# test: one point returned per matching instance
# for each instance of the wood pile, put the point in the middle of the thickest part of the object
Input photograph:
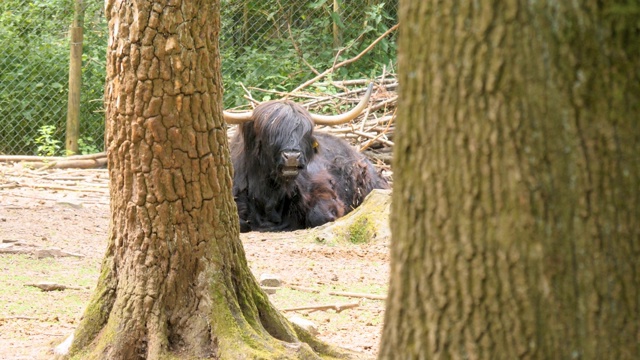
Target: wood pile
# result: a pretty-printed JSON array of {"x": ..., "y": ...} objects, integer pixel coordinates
[{"x": 371, "y": 132}]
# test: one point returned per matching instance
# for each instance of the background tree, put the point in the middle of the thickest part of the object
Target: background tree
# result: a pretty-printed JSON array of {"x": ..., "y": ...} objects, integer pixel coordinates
[
  {"x": 516, "y": 199},
  {"x": 174, "y": 278}
]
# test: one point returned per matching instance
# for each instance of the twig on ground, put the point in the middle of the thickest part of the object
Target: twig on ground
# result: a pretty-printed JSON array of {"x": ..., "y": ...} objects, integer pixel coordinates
[
  {"x": 303, "y": 288},
  {"x": 358, "y": 295},
  {"x": 337, "y": 307},
  {"x": 47, "y": 286},
  {"x": 7, "y": 318}
]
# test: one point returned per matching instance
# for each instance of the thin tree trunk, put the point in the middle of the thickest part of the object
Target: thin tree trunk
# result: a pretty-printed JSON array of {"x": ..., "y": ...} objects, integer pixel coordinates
[
  {"x": 174, "y": 279},
  {"x": 516, "y": 199}
]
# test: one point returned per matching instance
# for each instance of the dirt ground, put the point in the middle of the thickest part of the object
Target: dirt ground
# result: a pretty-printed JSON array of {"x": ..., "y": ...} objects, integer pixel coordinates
[{"x": 53, "y": 228}]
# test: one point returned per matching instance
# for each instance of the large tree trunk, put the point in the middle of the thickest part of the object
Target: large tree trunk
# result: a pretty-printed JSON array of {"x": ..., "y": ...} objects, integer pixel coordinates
[
  {"x": 516, "y": 200},
  {"x": 174, "y": 278}
]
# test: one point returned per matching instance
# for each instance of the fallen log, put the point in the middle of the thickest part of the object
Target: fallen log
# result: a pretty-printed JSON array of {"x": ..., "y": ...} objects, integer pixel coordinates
[
  {"x": 20, "y": 158},
  {"x": 91, "y": 161},
  {"x": 69, "y": 164}
]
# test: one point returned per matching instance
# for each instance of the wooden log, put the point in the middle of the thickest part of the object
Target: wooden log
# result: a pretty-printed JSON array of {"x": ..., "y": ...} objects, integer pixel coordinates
[
  {"x": 21, "y": 158},
  {"x": 69, "y": 164}
]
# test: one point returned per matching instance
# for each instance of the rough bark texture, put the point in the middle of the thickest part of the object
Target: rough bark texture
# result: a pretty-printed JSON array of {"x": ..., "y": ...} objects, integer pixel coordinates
[
  {"x": 174, "y": 281},
  {"x": 516, "y": 201}
]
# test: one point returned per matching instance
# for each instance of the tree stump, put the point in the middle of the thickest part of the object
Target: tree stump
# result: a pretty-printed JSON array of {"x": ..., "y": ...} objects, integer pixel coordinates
[{"x": 368, "y": 222}]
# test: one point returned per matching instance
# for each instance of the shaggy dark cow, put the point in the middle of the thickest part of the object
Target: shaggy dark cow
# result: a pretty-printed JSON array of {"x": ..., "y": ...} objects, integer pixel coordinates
[{"x": 287, "y": 177}]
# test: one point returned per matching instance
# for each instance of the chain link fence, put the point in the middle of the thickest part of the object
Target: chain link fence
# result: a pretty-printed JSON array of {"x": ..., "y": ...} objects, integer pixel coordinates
[{"x": 272, "y": 44}]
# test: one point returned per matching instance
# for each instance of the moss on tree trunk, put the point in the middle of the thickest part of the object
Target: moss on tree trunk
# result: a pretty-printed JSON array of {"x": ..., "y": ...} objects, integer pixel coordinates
[
  {"x": 174, "y": 281},
  {"x": 516, "y": 202}
]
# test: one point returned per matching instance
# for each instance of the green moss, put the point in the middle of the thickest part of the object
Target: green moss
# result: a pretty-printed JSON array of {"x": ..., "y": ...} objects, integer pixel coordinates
[
  {"x": 95, "y": 315},
  {"x": 360, "y": 231}
]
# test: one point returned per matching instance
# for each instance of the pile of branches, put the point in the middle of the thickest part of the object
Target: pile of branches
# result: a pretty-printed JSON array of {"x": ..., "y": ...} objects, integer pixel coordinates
[{"x": 371, "y": 132}]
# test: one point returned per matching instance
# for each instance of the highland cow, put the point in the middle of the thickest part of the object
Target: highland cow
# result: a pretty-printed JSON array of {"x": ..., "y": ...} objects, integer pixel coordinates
[{"x": 288, "y": 177}]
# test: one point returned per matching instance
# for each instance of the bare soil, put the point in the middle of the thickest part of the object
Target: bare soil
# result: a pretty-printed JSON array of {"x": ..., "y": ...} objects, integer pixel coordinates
[{"x": 69, "y": 210}]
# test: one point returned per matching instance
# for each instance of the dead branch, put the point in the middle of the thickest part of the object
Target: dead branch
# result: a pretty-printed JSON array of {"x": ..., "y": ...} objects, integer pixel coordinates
[
  {"x": 66, "y": 164},
  {"x": 55, "y": 252},
  {"x": 374, "y": 137},
  {"x": 303, "y": 288},
  {"x": 358, "y": 295},
  {"x": 67, "y": 188},
  {"x": 358, "y": 82},
  {"x": 48, "y": 286},
  {"x": 337, "y": 307},
  {"x": 348, "y": 61},
  {"x": 7, "y": 318},
  {"x": 13, "y": 250}
]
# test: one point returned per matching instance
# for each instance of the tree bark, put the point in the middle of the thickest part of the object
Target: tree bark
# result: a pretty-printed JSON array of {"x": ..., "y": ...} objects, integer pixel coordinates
[
  {"x": 174, "y": 280},
  {"x": 515, "y": 209}
]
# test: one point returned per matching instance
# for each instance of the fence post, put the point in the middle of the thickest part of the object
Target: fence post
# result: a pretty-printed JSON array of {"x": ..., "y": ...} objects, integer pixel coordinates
[
  {"x": 75, "y": 80},
  {"x": 337, "y": 32}
]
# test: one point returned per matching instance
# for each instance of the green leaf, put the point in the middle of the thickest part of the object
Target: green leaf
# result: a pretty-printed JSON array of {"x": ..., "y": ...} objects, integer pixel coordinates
[
  {"x": 317, "y": 4},
  {"x": 336, "y": 18}
]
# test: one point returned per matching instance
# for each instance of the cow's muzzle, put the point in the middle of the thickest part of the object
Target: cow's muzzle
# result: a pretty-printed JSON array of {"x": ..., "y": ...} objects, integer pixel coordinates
[{"x": 292, "y": 162}]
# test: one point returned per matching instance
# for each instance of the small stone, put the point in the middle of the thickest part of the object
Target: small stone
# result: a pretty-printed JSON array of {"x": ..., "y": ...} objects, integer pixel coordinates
[
  {"x": 269, "y": 290},
  {"x": 308, "y": 325},
  {"x": 270, "y": 280},
  {"x": 70, "y": 203}
]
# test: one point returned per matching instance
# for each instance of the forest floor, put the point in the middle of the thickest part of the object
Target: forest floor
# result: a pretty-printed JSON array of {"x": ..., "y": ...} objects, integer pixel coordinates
[{"x": 56, "y": 221}]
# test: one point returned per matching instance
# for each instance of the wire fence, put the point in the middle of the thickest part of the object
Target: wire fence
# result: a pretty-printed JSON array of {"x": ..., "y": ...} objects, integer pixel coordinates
[{"x": 272, "y": 44}]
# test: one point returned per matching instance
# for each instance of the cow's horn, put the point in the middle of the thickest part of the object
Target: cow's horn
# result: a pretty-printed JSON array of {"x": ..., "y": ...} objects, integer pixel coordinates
[
  {"x": 242, "y": 117},
  {"x": 237, "y": 118},
  {"x": 346, "y": 117}
]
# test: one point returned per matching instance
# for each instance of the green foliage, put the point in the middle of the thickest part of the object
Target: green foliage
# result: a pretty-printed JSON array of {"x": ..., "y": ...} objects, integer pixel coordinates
[
  {"x": 46, "y": 142},
  {"x": 87, "y": 146},
  {"x": 258, "y": 37},
  {"x": 268, "y": 44},
  {"x": 34, "y": 65}
]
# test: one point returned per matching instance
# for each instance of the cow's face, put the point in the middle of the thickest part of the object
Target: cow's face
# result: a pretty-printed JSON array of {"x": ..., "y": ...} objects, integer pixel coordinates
[{"x": 284, "y": 138}]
